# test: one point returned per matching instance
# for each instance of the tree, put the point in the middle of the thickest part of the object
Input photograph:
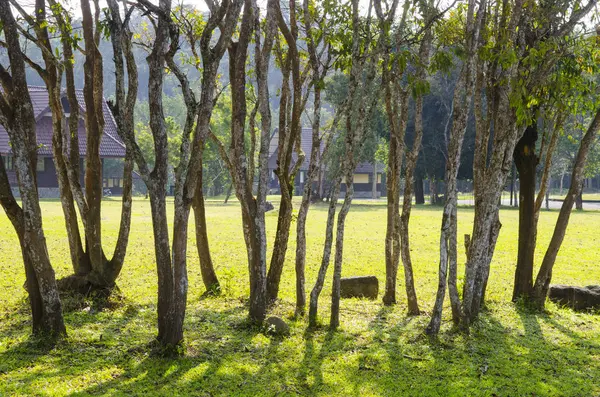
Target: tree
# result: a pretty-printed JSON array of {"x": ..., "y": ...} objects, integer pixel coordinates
[
  {"x": 566, "y": 90},
  {"x": 320, "y": 61},
  {"x": 463, "y": 92},
  {"x": 521, "y": 62},
  {"x": 92, "y": 269},
  {"x": 362, "y": 55},
  {"x": 236, "y": 157},
  {"x": 172, "y": 270},
  {"x": 291, "y": 106},
  {"x": 396, "y": 103},
  {"x": 17, "y": 117}
]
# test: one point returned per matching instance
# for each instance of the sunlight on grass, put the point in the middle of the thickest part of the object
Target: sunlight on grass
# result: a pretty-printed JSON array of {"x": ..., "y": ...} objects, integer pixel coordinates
[{"x": 378, "y": 351}]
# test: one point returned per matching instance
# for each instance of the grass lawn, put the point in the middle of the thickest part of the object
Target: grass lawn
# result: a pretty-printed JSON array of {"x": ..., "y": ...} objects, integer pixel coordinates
[{"x": 377, "y": 351}]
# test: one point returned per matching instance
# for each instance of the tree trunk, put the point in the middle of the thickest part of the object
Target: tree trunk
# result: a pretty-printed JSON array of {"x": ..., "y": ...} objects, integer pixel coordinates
[
  {"x": 547, "y": 195},
  {"x": 301, "y": 242},
  {"x": 118, "y": 258},
  {"x": 334, "y": 321},
  {"x": 562, "y": 179},
  {"x": 21, "y": 128},
  {"x": 15, "y": 215},
  {"x": 526, "y": 162},
  {"x": 284, "y": 221},
  {"x": 209, "y": 277},
  {"x": 513, "y": 173},
  {"x": 579, "y": 199},
  {"x": 228, "y": 193},
  {"x": 461, "y": 102},
  {"x": 94, "y": 126},
  {"x": 419, "y": 191},
  {"x": 433, "y": 195},
  {"x": 318, "y": 287},
  {"x": 392, "y": 243},
  {"x": 374, "y": 182}
]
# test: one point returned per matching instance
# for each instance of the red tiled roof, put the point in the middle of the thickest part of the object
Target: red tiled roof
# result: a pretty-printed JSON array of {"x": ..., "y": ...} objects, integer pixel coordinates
[{"x": 110, "y": 145}]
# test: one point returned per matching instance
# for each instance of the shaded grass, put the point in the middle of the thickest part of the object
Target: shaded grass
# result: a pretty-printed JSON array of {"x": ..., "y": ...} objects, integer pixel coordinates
[{"x": 378, "y": 350}]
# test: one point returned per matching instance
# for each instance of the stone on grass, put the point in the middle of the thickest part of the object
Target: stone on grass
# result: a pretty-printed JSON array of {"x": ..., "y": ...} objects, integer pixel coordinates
[
  {"x": 276, "y": 326},
  {"x": 359, "y": 287},
  {"x": 577, "y": 298},
  {"x": 269, "y": 206}
]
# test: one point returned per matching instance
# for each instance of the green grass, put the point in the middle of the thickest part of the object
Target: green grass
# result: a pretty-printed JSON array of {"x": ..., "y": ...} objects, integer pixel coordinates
[
  {"x": 377, "y": 352},
  {"x": 586, "y": 196}
]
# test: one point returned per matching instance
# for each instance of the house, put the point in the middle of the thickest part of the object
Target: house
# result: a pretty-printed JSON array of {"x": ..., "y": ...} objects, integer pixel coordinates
[
  {"x": 363, "y": 175},
  {"x": 111, "y": 146}
]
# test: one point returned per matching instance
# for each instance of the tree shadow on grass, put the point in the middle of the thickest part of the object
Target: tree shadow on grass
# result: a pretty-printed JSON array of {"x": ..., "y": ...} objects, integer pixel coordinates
[
  {"x": 391, "y": 356},
  {"x": 310, "y": 371}
]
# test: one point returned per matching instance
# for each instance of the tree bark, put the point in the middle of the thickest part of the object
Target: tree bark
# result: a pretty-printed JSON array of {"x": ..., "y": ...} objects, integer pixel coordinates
[
  {"x": 94, "y": 126},
  {"x": 411, "y": 164},
  {"x": 17, "y": 117},
  {"x": 15, "y": 215},
  {"x": 209, "y": 277},
  {"x": 579, "y": 199},
  {"x": 289, "y": 137},
  {"x": 463, "y": 92},
  {"x": 318, "y": 287},
  {"x": 526, "y": 163},
  {"x": 419, "y": 195}
]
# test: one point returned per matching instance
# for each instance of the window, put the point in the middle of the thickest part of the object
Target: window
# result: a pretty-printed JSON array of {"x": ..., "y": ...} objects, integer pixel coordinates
[
  {"x": 361, "y": 178},
  {"x": 8, "y": 162},
  {"x": 104, "y": 182},
  {"x": 301, "y": 176},
  {"x": 41, "y": 166}
]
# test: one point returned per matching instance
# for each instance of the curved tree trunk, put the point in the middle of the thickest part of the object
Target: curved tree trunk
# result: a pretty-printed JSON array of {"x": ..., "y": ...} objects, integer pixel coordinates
[
  {"x": 318, "y": 287},
  {"x": 209, "y": 276},
  {"x": 334, "y": 321}
]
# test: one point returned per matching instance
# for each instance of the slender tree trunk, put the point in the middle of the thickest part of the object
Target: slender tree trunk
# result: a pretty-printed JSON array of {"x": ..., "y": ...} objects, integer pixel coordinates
[
  {"x": 318, "y": 287},
  {"x": 513, "y": 173},
  {"x": 228, "y": 193},
  {"x": 579, "y": 198},
  {"x": 433, "y": 195},
  {"x": 547, "y": 195},
  {"x": 209, "y": 277},
  {"x": 411, "y": 162},
  {"x": 334, "y": 321},
  {"x": 562, "y": 179},
  {"x": 461, "y": 102},
  {"x": 284, "y": 221},
  {"x": 289, "y": 137},
  {"x": 374, "y": 181},
  {"x": 118, "y": 258},
  {"x": 391, "y": 242},
  {"x": 301, "y": 245},
  {"x": 419, "y": 195},
  {"x": 94, "y": 125}
]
